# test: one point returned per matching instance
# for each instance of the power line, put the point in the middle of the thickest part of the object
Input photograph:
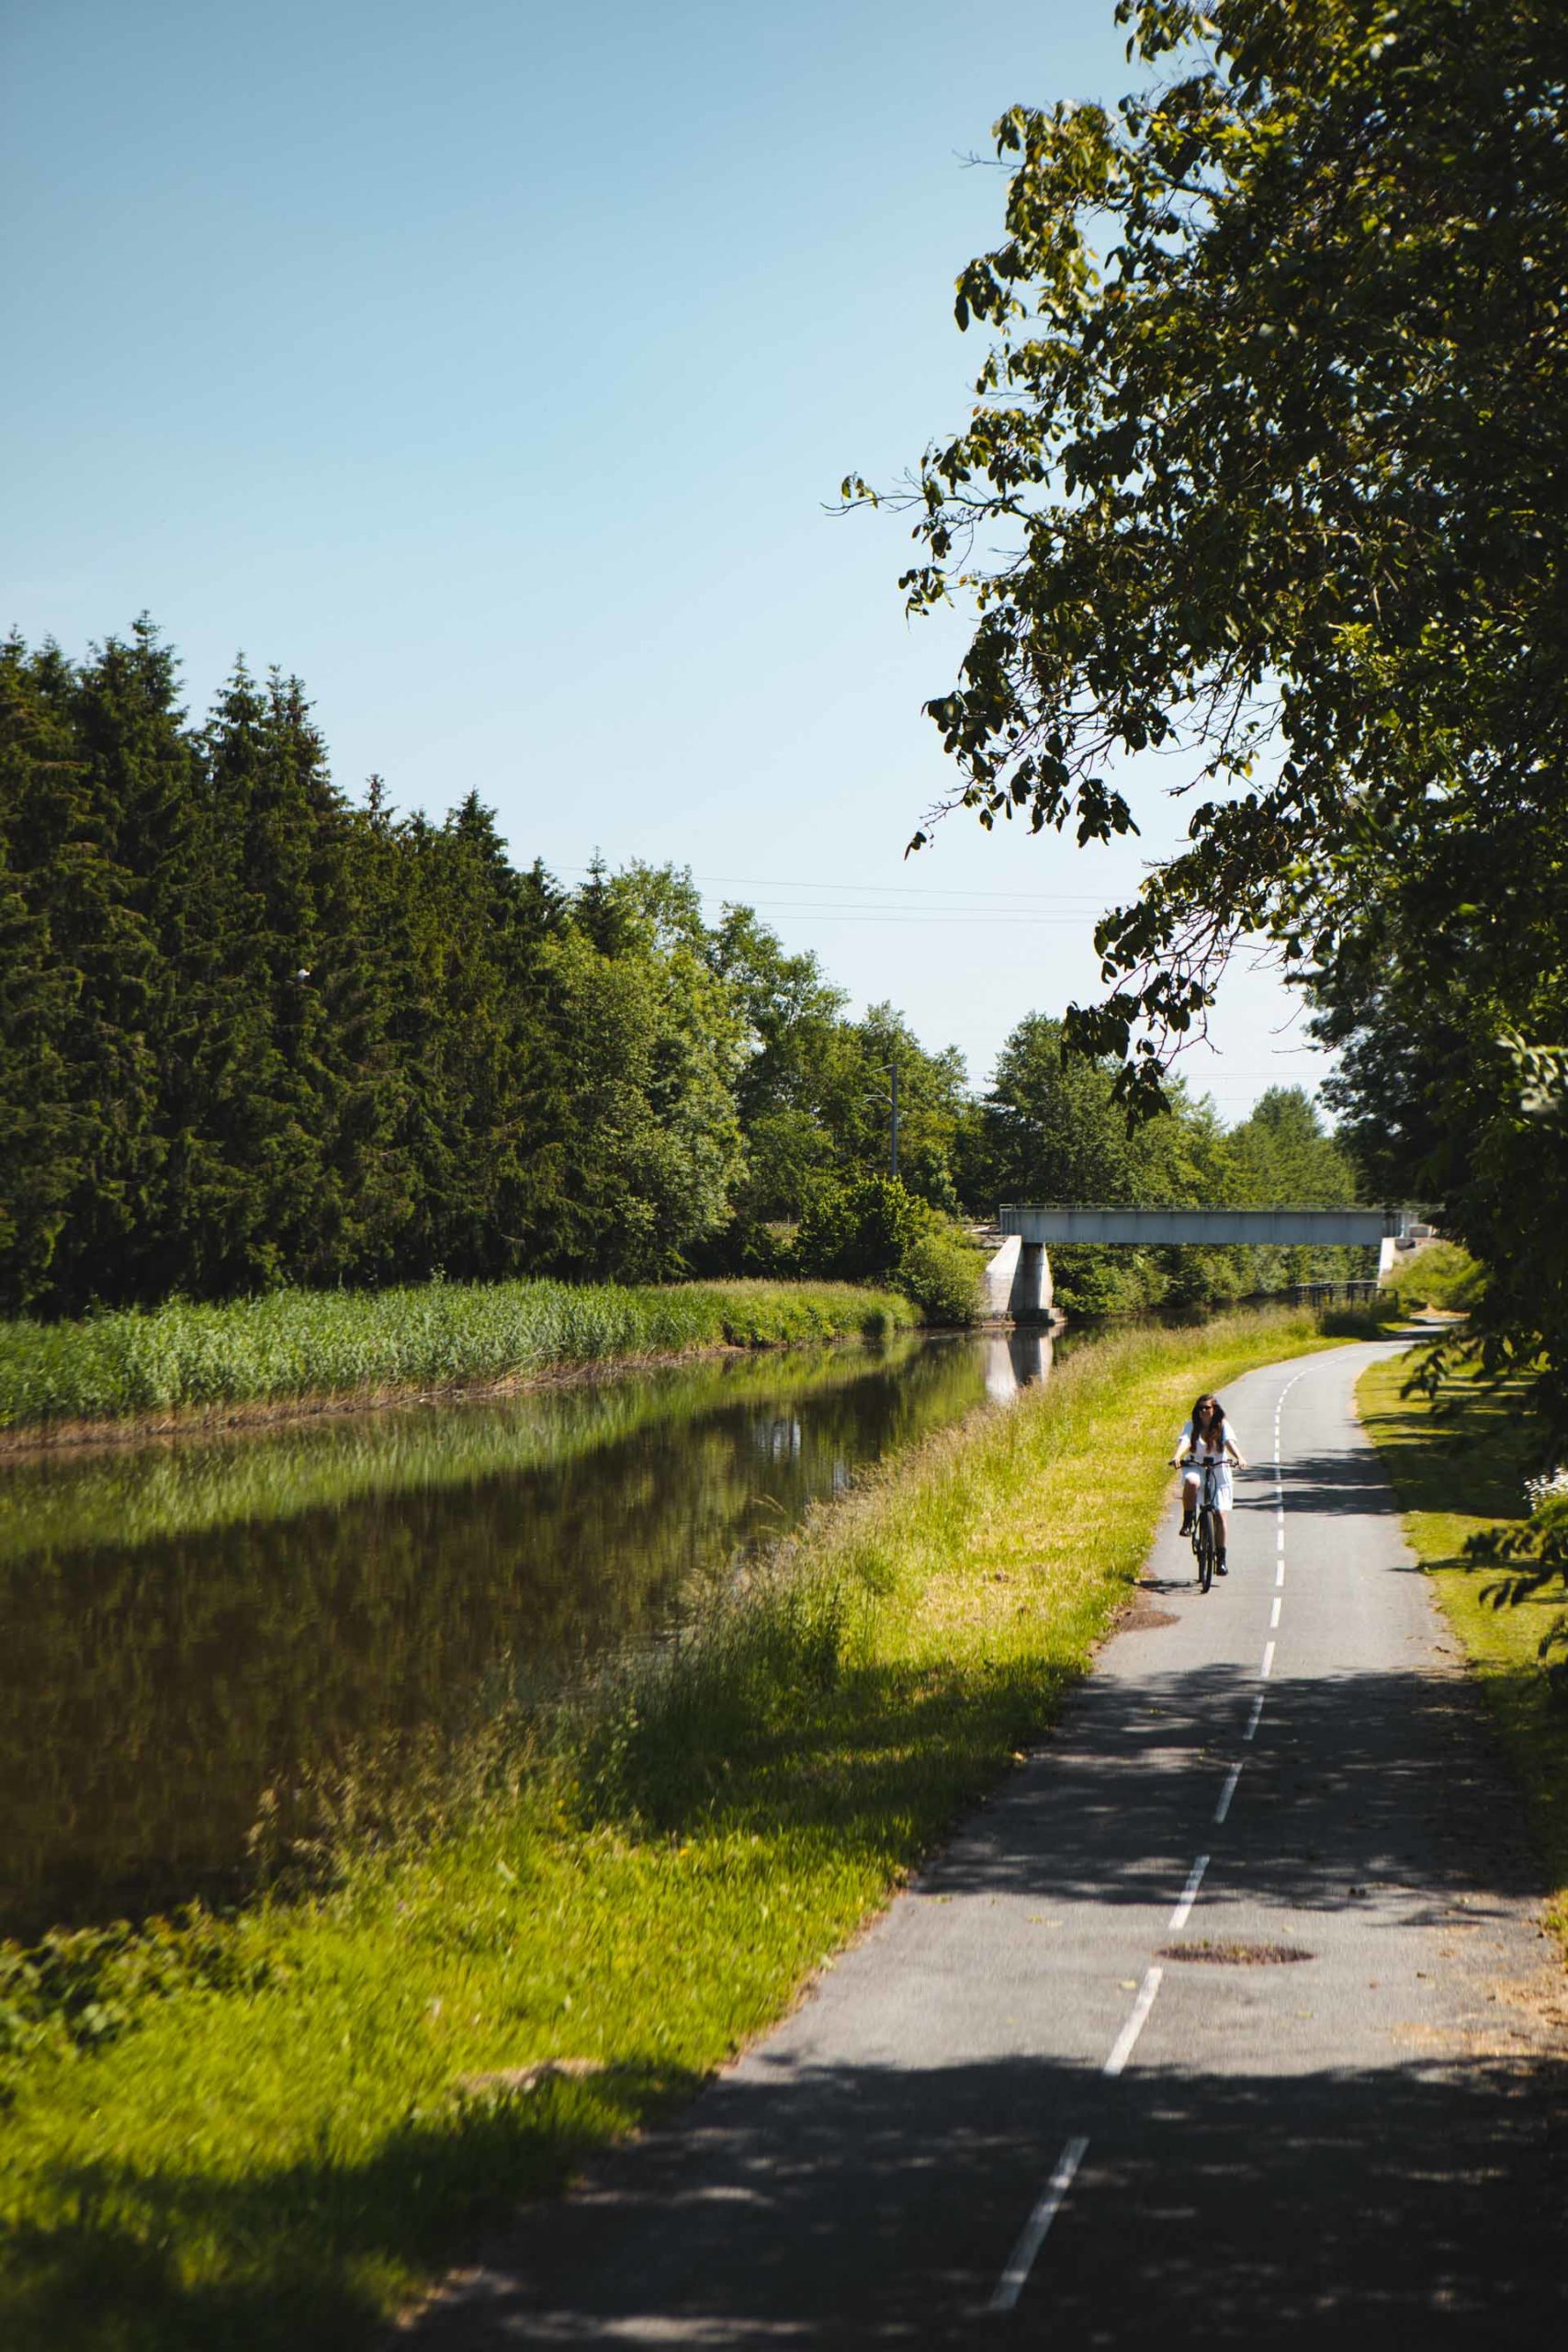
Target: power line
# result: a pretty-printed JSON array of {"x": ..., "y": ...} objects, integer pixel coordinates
[
  {"x": 859, "y": 917},
  {"x": 885, "y": 889}
]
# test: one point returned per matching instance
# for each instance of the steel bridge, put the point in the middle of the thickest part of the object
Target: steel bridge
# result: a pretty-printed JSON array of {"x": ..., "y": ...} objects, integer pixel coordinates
[{"x": 1018, "y": 1278}]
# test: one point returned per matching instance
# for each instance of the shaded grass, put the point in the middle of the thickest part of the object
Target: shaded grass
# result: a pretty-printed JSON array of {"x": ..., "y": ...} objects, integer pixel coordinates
[
  {"x": 181, "y": 1359},
  {"x": 281, "y": 2154},
  {"x": 1479, "y": 1452}
]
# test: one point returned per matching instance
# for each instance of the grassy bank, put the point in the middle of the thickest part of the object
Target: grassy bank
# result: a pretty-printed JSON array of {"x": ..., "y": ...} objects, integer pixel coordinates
[
  {"x": 268, "y": 2130},
  {"x": 184, "y": 1361},
  {"x": 1480, "y": 1457}
]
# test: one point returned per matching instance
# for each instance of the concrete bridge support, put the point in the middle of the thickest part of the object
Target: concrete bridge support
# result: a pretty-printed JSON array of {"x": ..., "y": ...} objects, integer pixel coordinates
[
  {"x": 1030, "y": 1299},
  {"x": 1017, "y": 1282},
  {"x": 998, "y": 1279}
]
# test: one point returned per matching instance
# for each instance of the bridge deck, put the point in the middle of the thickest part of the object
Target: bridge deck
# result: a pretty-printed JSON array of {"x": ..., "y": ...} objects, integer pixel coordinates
[{"x": 1130, "y": 1228}]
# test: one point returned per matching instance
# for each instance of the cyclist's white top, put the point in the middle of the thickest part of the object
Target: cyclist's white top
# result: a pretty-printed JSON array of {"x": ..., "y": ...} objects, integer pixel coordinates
[{"x": 1208, "y": 1449}]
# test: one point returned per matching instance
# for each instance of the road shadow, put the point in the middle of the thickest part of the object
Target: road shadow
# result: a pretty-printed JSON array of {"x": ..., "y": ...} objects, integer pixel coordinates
[
  {"x": 1383, "y": 1780},
  {"x": 1415, "y": 2204},
  {"x": 1350, "y": 1484},
  {"x": 1403, "y": 2206}
]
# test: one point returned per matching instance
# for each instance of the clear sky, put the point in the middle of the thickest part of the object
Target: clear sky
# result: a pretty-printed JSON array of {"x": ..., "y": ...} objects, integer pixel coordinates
[{"x": 490, "y": 367}]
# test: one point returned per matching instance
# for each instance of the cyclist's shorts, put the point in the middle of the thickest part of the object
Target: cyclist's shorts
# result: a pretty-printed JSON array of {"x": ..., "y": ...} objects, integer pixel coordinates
[{"x": 1224, "y": 1490}]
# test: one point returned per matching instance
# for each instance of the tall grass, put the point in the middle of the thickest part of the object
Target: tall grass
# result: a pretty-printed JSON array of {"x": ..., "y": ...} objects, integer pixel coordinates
[
  {"x": 285, "y": 2130},
  {"x": 181, "y": 1359}
]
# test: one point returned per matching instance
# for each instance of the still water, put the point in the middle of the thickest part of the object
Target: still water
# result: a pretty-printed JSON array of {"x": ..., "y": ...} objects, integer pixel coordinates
[{"x": 187, "y": 1625}]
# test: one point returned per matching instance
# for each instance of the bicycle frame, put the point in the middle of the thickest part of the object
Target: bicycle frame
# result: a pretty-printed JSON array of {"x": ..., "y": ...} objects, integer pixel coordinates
[{"x": 1205, "y": 1523}]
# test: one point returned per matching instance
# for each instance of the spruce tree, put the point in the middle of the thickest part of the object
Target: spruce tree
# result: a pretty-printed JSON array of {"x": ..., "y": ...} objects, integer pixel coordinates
[
  {"x": 42, "y": 1133},
  {"x": 86, "y": 760}
]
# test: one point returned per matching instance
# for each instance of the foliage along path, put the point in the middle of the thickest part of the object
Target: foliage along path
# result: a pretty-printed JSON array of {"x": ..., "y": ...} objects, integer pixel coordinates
[{"x": 1229, "y": 2020}]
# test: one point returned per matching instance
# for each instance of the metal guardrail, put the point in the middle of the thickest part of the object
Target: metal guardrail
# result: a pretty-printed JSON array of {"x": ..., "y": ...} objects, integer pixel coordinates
[{"x": 1323, "y": 1293}]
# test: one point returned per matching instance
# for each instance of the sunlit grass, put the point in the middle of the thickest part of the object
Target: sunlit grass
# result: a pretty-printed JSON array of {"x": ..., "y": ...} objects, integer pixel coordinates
[
  {"x": 1478, "y": 1453},
  {"x": 279, "y": 2147},
  {"x": 181, "y": 1360}
]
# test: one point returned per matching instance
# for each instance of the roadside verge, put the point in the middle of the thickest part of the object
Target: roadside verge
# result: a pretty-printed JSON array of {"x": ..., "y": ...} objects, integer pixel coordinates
[{"x": 1477, "y": 1457}]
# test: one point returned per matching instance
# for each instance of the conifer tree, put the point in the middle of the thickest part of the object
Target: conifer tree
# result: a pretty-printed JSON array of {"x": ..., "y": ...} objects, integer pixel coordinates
[
  {"x": 85, "y": 758},
  {"x": 41, "y": 1133}
]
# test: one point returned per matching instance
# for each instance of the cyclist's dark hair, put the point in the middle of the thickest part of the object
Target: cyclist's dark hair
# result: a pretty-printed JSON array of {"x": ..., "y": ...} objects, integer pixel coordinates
[{"x": 1198, "y": 1408}]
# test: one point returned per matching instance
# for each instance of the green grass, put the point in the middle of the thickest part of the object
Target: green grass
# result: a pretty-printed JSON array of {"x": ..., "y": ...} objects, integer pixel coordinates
[
  {"x": 1440, "y": 1274},
  {"x": 1480, "y": 1452},
  {"x": 273, "y": 2129},
  {"x": 180, "y": 1359}
]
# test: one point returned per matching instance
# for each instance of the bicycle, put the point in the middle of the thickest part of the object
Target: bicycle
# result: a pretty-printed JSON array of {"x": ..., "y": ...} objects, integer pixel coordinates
[{"x": 1206, "y": 1526}]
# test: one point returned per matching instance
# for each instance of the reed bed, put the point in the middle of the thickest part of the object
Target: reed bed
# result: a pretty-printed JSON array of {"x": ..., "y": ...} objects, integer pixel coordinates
[{"x": 181, "y": 1359}]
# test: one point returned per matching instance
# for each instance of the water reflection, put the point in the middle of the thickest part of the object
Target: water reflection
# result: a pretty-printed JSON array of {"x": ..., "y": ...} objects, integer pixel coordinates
[
  {"x": 184, "y": 1625},
  {"x": 1013, "y": 1360}
]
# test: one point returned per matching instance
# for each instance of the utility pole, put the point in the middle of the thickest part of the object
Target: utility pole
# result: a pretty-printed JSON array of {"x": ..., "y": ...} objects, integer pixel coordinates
[{"x": 890, "y": 1102}]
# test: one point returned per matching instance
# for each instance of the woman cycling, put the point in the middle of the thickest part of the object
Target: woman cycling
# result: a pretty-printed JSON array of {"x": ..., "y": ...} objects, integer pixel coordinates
[{"x": 1207, "y": 1437}]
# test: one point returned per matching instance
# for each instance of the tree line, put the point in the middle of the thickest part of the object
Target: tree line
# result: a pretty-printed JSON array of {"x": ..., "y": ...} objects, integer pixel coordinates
[{"x": 255, "y": 1033}]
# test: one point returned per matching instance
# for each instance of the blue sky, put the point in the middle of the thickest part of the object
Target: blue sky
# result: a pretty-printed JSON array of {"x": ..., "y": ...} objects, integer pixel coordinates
[{"x": 490, "y": 367}]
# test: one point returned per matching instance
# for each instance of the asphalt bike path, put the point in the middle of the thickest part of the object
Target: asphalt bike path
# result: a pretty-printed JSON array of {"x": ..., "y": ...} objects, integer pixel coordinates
[{"x": 1229, "y": 2020}]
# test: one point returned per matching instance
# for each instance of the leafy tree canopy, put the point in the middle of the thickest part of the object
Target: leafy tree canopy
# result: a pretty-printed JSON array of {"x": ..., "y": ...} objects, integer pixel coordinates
[
  {"x": 1270, "y": 438},
  {"x": 1264, "y": 474}
]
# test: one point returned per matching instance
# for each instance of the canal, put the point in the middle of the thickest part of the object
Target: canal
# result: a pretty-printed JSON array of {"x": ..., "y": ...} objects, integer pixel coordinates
[{"x": 193, "y": 1630}]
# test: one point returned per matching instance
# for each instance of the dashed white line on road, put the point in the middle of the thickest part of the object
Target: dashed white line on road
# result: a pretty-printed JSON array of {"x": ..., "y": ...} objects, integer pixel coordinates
[
  {"x": 1189, "y": 1892},
  {"x": 1031, "y": 2237},
  {"x": 1122, "y": 2048},
  {"x": 1010, "y": 2286},
  {"x": 1275, "y": 1618}
]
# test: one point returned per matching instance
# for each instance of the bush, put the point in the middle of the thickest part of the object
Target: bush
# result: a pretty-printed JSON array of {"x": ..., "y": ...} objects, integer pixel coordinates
[
  {"x": 1441, "y": 1275},
  {"x": 942, "y": 1274},
  {"x": 874, "y": 1225},
  {"x": 851, "y": 1228}
]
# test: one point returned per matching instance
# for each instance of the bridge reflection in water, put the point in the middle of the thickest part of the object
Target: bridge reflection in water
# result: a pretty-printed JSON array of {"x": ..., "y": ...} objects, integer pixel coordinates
[{"x": 1016, "y": 1360}]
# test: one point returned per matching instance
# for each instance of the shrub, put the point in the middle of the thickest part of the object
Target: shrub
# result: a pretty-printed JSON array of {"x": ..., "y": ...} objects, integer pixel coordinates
[
  {"x": 1441, "y": 1275},
  {"x": 875, "y": 1226},
  {"x": 942, "y": 1274},
  {"x": 854, "y": 1228}
]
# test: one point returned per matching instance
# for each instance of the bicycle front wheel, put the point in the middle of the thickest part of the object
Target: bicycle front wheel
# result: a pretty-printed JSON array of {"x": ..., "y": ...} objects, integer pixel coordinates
[{"x": 1205, "y": 1547}]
